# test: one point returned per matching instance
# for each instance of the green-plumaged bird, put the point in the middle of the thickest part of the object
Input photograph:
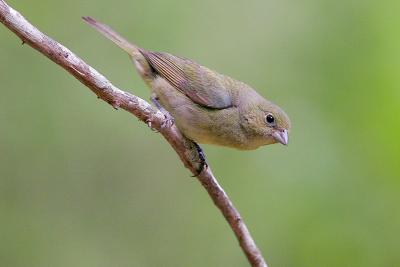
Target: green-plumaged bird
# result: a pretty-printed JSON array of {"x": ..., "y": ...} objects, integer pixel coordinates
[{"x": 207, "y": 107}]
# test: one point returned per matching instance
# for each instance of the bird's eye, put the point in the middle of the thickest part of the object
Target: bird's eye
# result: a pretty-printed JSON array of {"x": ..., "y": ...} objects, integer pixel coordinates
[{"x": 270, "y": 119}]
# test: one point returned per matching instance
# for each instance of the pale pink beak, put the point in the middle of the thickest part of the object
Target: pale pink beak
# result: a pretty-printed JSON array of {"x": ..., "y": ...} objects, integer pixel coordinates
[{"x": 281, "y": 136}]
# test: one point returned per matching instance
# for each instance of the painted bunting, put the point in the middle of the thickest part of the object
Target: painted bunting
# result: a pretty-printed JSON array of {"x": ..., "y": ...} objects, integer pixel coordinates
[{"x": 206, "y": 106}]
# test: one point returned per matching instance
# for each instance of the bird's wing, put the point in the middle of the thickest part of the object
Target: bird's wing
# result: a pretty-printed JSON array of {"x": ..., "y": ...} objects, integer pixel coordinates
[{"x": 201, "y": 85}]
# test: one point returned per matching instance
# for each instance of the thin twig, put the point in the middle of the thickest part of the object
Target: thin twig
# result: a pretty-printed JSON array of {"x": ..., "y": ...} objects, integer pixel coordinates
[{"x": 103, "y": 88}]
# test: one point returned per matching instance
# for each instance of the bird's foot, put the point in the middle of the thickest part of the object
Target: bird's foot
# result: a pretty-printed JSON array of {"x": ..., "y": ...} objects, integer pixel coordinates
[
  {"x": 202, "y": 157},
  {"x": 169, "y": 120},
  {"x": 150, "y": 125}
]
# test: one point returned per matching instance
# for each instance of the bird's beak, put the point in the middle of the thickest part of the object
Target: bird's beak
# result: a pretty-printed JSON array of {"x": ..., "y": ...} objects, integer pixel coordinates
[{"x": 281, "y": 136}]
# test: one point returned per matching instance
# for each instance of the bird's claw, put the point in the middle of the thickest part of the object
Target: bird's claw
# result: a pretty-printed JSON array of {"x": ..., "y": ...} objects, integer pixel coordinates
[
  {"x": 150, "y": 125},
  {"x": 168, "y": 122},
  {"x": 203, "y": 162}
]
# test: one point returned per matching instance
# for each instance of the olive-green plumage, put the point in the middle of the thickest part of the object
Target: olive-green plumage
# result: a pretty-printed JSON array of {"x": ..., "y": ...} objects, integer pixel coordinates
[{"x": 207, "y": 107}]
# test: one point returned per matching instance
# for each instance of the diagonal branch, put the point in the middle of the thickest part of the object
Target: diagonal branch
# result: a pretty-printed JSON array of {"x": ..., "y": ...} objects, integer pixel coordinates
[{"x": 103, "y": 88}]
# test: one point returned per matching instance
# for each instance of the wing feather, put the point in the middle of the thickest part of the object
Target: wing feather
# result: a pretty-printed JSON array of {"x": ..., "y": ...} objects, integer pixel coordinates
[{"x": 203, "y": 86}]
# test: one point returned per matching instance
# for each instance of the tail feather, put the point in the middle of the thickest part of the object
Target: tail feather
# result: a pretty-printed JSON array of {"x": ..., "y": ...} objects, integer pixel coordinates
[
  {"x": 141, "y": 64},
  {"x": 105, "y": 30}
]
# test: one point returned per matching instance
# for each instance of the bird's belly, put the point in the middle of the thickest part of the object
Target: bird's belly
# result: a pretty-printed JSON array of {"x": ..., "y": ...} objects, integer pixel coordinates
[{"x": 202, "y": 125}]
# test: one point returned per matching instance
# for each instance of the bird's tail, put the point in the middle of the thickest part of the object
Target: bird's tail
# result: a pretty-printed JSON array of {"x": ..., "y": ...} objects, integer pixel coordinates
[
  {"x": 105, "y": 30},
  {"x": 141, "y": 64}
]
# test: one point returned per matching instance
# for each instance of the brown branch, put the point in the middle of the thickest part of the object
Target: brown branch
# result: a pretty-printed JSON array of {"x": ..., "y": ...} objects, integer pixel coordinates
[{"x": 142, "y": 110}]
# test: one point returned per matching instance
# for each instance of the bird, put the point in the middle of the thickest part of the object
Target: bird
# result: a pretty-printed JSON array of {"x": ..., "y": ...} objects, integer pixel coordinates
[{"x": 206, "y": 106}]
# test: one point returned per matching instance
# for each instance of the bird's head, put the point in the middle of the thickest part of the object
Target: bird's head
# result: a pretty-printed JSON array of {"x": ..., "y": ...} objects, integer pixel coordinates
[{"x": 268, "y": 123}]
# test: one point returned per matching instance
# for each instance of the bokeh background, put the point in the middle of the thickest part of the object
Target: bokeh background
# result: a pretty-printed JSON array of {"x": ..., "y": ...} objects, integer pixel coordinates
[{"x": 84, "y": 185}]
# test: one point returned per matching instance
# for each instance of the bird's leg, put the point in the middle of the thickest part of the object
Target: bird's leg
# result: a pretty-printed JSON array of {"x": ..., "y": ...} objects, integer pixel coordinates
[
  {"x": 169, "y": 120},
  {"x": 202, "y": 157}
]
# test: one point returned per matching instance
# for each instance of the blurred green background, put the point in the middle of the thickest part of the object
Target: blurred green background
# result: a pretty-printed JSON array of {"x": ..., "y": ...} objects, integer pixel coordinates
[{"x": 84, "y": 185}]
